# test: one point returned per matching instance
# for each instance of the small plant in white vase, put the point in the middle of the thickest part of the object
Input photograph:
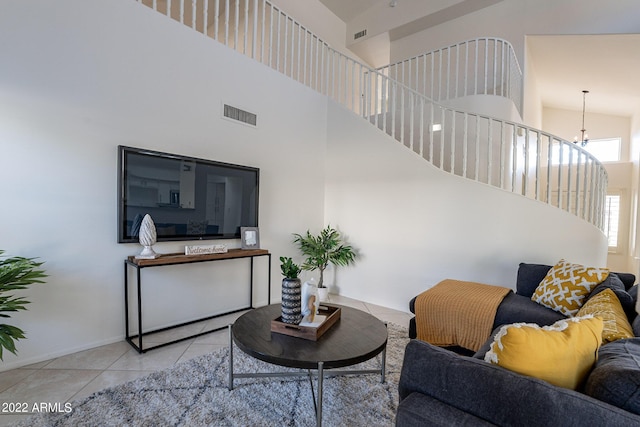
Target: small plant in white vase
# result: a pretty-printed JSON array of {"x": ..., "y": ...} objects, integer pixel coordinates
[{"x": 327, "y": 247}]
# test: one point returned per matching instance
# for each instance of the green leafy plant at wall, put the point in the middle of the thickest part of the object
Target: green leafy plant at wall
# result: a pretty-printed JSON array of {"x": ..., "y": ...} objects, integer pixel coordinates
[
  {"x": 327, "y": 247},
  {"x": 290, "y": 270},
  {"x": 16, "y": 273}
]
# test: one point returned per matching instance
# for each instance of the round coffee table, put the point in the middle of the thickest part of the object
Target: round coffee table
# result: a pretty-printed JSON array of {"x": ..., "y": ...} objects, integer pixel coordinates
[{"x": 356, "y": 337}]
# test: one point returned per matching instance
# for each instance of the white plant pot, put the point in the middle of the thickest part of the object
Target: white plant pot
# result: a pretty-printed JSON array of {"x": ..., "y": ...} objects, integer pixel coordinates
[{"x": 323, "y": 294}]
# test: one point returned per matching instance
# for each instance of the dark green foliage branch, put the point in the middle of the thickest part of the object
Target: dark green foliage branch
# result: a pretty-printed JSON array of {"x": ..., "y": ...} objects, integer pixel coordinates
[
  {"x": 325, "y": 248},
  {"x": 16, "y": 273},
  {"x": 288, "y": 268}
]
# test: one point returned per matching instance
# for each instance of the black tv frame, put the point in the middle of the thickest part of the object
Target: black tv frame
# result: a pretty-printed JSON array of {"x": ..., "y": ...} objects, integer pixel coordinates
[{"x": 123, "y": 151}]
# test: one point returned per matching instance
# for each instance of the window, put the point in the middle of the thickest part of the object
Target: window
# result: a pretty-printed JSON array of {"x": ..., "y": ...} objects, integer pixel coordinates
[
  {"x": 605, "y": 150},
  {"x": 612, "y": 219}
]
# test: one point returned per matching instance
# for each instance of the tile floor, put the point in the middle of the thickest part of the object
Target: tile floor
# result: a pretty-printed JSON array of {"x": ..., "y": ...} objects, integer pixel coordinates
[{"x": 80, "y": 374}]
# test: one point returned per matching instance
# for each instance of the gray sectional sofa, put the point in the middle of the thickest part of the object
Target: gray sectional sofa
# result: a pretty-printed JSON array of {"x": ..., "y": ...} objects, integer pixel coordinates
[{"x": 442, "y": 387}]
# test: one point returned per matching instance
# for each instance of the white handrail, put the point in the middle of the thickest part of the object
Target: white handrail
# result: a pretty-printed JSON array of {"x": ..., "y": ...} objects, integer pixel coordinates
[
  {"x": 500, "y": 153},
  {"x": 481, "y": 66}
]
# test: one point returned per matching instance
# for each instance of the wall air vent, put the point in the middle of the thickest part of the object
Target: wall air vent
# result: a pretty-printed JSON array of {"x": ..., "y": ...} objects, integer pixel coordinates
[
  {"x": 359, "y": 34},
  {"x": 239, "y": 115}
]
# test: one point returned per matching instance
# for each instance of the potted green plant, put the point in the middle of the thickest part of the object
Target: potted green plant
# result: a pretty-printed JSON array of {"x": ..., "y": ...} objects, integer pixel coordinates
[
  {"x": 291, "y": 291},
  {"x": 289, "y": 269},
  {"x": 16, "y": 273},
  {"x": 327, "y": 247}
]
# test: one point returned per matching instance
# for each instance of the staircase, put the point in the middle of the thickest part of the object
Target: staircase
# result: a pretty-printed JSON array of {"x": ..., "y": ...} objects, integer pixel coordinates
[
  {"x": 406, "y": 101},
  {"x": 481, "y": 66}
]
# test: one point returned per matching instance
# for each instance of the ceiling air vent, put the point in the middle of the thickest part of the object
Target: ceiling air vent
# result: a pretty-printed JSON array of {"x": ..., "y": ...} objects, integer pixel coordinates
[
  {"x": 239, "y": 115},
  {"x": 359, "y": 34}
]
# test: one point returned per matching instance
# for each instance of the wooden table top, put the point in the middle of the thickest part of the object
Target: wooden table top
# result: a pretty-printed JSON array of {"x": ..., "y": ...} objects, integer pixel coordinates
[{"x": 355, "y": 338}]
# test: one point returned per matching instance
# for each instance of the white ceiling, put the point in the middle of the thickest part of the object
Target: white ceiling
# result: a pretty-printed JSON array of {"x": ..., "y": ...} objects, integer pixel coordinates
[
  {"x": 349, "y": 9},
  {"x": 608, "y": 66}
]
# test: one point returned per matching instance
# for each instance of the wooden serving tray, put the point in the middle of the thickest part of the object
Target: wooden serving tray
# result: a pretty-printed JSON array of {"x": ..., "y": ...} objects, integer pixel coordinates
[{"x": 308, "y": 332}]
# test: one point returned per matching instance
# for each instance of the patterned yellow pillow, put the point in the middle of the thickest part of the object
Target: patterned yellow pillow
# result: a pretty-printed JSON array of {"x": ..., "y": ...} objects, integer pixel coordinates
[
  {"x": 606, "y": 305},
  {"x": 566, "y": 286},
  {"x": 562, "y": 354}
]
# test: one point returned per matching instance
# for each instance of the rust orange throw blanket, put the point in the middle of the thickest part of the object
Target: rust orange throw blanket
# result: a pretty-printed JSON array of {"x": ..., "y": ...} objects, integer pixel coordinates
[{"x": 460, "y": 313}]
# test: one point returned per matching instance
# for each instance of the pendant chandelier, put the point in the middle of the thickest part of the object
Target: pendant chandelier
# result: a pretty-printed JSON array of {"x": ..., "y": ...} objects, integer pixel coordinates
[{"x": 584, "y": 140}]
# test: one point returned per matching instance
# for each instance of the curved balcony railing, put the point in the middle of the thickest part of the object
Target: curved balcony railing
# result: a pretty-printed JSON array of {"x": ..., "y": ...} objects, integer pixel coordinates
[
  {"x": 481, "y": 66},
  {"x": 496, "y": 152}
]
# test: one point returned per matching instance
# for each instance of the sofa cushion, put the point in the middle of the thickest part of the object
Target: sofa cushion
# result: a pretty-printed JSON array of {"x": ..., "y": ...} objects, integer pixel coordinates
[
  {"x": 607, "y": 306},
  {"x": 529, "y": 277},
  {"x": 566, "y": 286},
  {"x": 497, "y": 395},
  {"x": 562, "y": 354},
  {"x": 636, "y": 326},
  {"x": 628, "y": 279},
  {"x": 632, "y": 313},
  {"x": 633, "y": 291},
  {"x": 614, "y": 283},
  {"x": 520, "y": 309},
  {"x": 616, "y": 376}
]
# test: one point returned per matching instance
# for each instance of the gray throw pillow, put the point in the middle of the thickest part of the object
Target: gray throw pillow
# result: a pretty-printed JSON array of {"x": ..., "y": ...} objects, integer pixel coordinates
[
  {"x": 616, "y": 376},
  {"x": 614, "y": 283},
  {"x": 529, "y": 277}
]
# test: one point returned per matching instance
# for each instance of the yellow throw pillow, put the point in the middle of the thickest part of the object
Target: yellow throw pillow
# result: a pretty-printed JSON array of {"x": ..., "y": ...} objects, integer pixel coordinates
[
  {"x": 566, "y": 286},
  {"x": 562, "y": 354},
  {"x": 606, "y": 305}
]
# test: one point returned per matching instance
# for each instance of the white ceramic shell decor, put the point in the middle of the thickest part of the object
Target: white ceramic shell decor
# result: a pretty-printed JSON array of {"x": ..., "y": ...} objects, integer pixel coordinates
[
  {"x": 147, "y": 238},
  {"x": 310, "y": 300}
]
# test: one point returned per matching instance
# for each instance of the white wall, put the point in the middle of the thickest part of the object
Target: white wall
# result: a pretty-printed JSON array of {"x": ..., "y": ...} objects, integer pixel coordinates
[
  {"x": 620, "y": 180},
  {"x": 71, "y": 90},
  {"x": 634, "y": 232},
  {"x": 485, "y": 105},
  {"x": 532, "y": 100},
  {"x": 567, "y": 124},
  {"x": 415, "y": 225}
]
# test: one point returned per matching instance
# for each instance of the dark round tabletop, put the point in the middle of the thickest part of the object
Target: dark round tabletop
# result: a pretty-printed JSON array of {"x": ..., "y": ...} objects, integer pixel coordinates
[{"x": 356, "y": 337}]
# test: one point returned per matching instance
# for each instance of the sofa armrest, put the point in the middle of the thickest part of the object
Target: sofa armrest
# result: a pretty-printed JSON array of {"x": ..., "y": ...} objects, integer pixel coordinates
[
  {"x": 497, "y": 395},
  {"x": 419, "y": 410}
]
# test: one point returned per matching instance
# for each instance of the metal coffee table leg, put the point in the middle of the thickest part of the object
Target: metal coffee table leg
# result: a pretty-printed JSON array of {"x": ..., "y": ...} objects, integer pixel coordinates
[
  {"x": 384, "y": 364},
  {"x": 319, "y": 404},
  {"x": 230, "y": 358}
]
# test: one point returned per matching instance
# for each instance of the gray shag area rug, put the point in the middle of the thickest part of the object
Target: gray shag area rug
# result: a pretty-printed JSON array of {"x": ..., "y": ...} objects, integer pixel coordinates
[{"x": 195, "y": 393}]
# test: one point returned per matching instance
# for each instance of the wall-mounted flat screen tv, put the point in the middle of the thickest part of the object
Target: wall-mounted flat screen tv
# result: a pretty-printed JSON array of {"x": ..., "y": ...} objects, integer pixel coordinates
[{"x": 187, "y": 198}]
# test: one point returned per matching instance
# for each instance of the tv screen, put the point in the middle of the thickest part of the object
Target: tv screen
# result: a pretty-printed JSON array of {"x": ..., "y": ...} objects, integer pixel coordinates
[{"x": 187, "y": 198}]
